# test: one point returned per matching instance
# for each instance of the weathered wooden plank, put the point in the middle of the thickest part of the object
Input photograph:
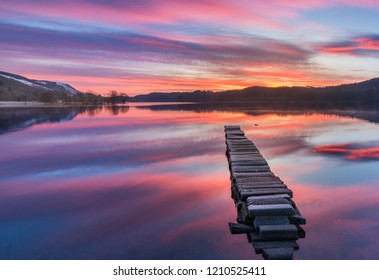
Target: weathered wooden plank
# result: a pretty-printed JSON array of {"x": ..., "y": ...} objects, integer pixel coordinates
[
  {"x": 266, "y": 201},
  {"x": 241, "y": 145},
  {"x": 251, "y": 199},
  {"x": 256, "y": 158},
  {"x": 232, "y": 127},
  {"x": 258, "y": 174},
  {"x": 239, "y": 170},
  {"x": 248, "y": 152},
  {"x": 255, "y": 237},
  {"x": 300, "y": 231},
  {"x": 234, "y": 132},
  {"x": 259, "y": 182},
  {"x": 263, "y": 176},
  {"x": 298, "y": 219},
  {"x": 243, "y": 214},
  {"x": 260, "y": 245},
  {"x": 278, "y": 232},
  {"x": 270, "y": 210},
  {"x": 235, "y": 142},
  {"x": 247, "y": 149},
  {"x": 269, "y": 178},
  {"x": 246, "y": 167},
  {"x": 235, "y": 174},
  {"x": 260, "y": 186},
  {"x": 250, "y": 168},
  {"x": 254, "y": 169},
  {"x": 235, "y": 194},
  {"x": 240, "y": 228},
  {"x": 248, "y": 160},
  {"x": 248, "y": 163},
  {"x": 246, "y": 156},
  {"x": 232, "y": 141},
  {"x": 233, "y": 136},
  {"x": 238, "y": 141},
  {"x": 270, "y": 220},
  {"x": 263, "y": 181},
  {"x": 236, "y": 136},
  {"x": 252, "y": 159},
  {"x": 278, "y": 253},
  {"x": 245, "y": 153},
  {"x": 263, "y": 191},
  {"x": 248, "y": 188}
]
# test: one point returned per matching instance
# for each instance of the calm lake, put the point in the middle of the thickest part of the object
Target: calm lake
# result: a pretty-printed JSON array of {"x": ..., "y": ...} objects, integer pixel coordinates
[{"x": 152, "y": 182}]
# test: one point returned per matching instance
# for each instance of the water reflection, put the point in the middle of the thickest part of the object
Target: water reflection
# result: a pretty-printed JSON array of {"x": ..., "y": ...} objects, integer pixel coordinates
[
  {"x": 154, "y": 184},
  {"x": 358, "y": 111},
  {"x": 351, "y": 151},
  {"x": 12, "y": 119}
]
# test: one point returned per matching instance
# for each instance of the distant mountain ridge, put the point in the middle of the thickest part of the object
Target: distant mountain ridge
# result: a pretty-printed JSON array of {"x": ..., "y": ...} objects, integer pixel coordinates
[
  {"x": 16, "y": 85},
  {"x": 365, "y": 91}
]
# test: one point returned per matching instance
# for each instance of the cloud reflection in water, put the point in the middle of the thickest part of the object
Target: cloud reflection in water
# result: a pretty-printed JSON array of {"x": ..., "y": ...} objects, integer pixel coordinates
[{"x": 155, "y": 185}]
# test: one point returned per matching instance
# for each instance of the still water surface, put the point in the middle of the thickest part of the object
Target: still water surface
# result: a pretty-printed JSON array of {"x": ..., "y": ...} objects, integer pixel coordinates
[{"x": 153, "y": 182}]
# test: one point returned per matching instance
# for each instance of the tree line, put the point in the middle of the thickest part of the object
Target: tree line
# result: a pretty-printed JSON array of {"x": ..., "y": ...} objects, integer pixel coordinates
[{"x": 54, "y": 97}]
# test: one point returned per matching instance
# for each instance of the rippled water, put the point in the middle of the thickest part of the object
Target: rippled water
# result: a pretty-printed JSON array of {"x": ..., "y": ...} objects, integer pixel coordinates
[{"x": 153, "y": 182}]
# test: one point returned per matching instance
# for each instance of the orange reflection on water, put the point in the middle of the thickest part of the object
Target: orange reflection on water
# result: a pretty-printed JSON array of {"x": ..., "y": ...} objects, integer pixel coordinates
[
  {"x": 153, "y": 183},
  {"x": 351, "y": 151}
]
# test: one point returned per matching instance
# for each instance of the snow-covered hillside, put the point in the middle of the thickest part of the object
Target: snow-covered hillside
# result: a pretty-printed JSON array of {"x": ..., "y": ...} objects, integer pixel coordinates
[{"x": 38, "y": 84}]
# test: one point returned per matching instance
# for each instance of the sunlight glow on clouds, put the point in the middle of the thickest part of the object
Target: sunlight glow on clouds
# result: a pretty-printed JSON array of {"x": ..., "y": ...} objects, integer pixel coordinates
[{"x": 143, "y": 46}]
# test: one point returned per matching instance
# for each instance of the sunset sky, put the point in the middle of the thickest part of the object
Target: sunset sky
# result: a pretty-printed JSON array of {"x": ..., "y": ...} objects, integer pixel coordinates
[{"x": 161, "y": 45}]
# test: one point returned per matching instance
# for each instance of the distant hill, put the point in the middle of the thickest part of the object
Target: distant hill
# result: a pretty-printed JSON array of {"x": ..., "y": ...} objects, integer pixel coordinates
[
  {"x": 14, "y": 87},
  {"x": 363, "y": 92}
]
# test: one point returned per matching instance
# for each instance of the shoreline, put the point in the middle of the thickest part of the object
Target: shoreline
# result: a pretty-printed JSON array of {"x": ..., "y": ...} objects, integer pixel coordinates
[
  {"x": 21, "y": 104},
  {"x": 30, "y": 104}
]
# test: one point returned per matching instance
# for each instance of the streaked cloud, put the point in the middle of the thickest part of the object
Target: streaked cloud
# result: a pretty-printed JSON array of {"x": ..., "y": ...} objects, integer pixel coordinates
[
  {"x": 160, "y": 45},
  {"x": 358, "y": 46}
]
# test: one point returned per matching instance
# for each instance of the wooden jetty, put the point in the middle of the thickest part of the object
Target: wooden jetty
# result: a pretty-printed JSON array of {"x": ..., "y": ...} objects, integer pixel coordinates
[{"x": 266, "y": 212}]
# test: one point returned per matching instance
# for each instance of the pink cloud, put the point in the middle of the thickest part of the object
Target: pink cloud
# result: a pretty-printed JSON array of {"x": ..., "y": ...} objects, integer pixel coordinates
[
  {"x": 205, "y": 44},
  {"x": 358, "y": 46}
]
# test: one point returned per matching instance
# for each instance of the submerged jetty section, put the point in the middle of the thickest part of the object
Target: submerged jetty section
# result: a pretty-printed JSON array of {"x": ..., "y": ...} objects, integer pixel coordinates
[{"x": 265, "y": 209}]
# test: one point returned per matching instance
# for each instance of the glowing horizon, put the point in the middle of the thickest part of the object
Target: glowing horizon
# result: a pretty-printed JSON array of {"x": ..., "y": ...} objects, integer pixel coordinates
[{"x": 159, "y": 45}]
